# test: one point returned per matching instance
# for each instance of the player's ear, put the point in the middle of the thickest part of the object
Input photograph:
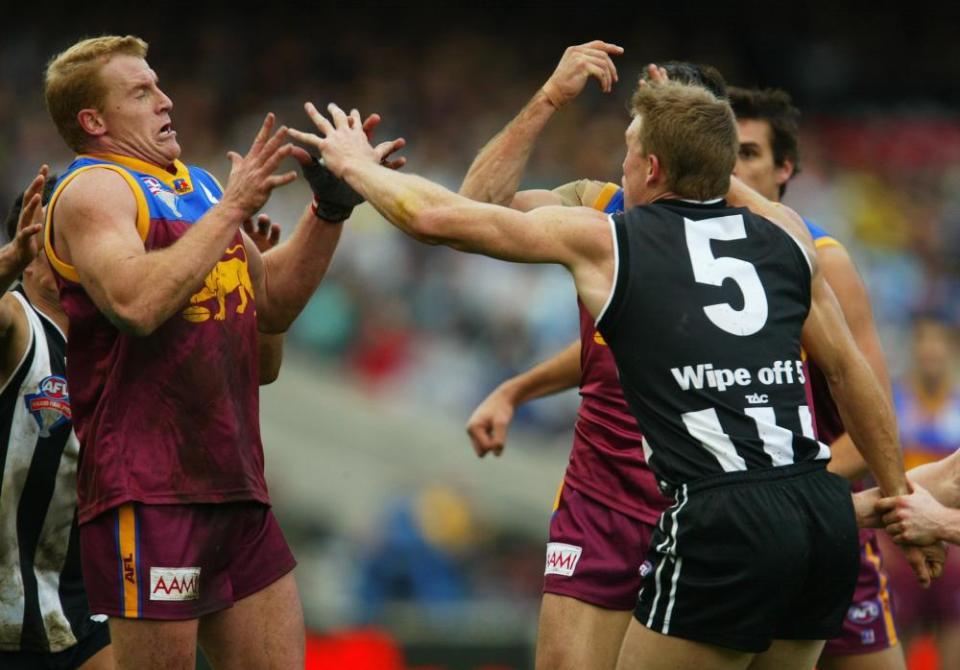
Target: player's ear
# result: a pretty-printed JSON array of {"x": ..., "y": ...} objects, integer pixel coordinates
[
  {"x": 784, "y": 172},
  {"x": 92, "y": 122},
  {"x": 654, "y": 170}
]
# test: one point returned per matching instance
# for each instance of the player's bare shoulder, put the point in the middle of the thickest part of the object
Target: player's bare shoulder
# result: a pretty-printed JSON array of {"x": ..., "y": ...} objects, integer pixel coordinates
[{"x": 96, "y": 192}]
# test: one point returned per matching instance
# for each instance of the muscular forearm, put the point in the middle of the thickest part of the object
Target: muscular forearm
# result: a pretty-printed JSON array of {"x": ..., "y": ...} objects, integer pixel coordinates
[
  {"x": 495, "y": 173},
  {"x": 11, "y": 266},
  {"x": 845, "y": 460},
  {"x": 870, "y": 422},
  {"x": 404, "y": 199},
  {"x": 941, "y": 478},
  {"x": 293, "y": 270},
  {"x": 555, "y": 374},
  {"x": 140, "y": 292}
]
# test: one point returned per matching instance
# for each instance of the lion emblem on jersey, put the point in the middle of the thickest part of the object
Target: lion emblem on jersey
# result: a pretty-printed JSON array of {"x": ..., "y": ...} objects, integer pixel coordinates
[
  {"x": 226, "y": 277},
  {"x": 50, "y": 405}
]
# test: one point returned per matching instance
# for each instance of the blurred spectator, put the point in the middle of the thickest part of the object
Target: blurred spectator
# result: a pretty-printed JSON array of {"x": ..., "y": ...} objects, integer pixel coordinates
[{"x": 928, "y": 410}]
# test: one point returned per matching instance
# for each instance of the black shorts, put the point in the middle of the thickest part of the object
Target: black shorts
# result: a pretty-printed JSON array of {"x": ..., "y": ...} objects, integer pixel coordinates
[
  {"x": 68, "y": 659},
  {"x": 746, "y": 558}
]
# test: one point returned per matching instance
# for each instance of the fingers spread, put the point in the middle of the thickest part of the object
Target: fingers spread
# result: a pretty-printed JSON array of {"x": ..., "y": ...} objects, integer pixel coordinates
[
  {"x": 262, "y": 134},
  {"x": 370, "y": 125},
  {"x": 305, "y": 138},
  {"x": 338, "y": 115},
  {"x": 319, "y": 120}
]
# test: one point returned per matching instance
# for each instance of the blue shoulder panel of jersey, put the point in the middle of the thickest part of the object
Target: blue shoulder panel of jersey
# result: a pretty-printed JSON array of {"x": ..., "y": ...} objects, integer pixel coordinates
[
  {"x": 815, "y": 231},
  {"x": 616, "y": 203}
]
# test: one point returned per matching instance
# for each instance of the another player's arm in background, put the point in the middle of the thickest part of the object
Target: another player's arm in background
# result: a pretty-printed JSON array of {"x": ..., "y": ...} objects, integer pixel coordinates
[
  {"x": 488, "y": 425},
  {"x": 495, "y": 173},
  {"x": 15, "y": 256},
  {"x": 265, "y": 235},
  {"x": 842, "y": 276},
  {"x": 864, "y": 407},
  {"x": 96, "y": 232},
  {"x": 576, "y": 237},
  {"x": 940, "y": 479}
]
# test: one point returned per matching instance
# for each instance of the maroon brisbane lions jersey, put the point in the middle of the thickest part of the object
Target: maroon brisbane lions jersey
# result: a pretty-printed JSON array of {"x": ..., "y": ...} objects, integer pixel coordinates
[
  {"x": 170, "y": 418},
  {"x": 606, "y": 462}
]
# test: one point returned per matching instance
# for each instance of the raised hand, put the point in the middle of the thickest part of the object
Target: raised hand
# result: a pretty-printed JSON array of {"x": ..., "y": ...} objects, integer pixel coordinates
[
  {"x": 24, "y": 247},
  {"x": 344, "y": 139},
  {"x": 488, "y": 425},
  {"x": 252, "y": 177},
  {"x": 575, "y": 68},
  {"x": 264, "y": 233}
]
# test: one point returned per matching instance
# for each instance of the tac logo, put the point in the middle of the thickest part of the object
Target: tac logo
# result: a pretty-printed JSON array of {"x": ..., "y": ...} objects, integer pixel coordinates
[
  {"x": 562, "y": 559},
  {"x": 174, "y": 583},
  {"x": 50, "y": 405},
  {"x": 646, "y": 568},
  {"x": 227, "y": 277},
  {"x": 864, "y": 612},
  {"x": 757, "y": 398}
]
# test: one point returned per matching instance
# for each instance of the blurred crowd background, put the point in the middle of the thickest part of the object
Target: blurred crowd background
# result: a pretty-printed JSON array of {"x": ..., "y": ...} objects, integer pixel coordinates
[{"x": 422, "y": 334}]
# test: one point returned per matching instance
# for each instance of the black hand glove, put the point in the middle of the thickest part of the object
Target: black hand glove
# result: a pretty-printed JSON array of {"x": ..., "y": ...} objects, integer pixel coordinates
[{"x": 333, "y": 198}]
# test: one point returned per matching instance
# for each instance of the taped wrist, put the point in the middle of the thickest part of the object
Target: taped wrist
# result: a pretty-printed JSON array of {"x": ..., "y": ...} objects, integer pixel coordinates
[{"x": 333, "y": 198}]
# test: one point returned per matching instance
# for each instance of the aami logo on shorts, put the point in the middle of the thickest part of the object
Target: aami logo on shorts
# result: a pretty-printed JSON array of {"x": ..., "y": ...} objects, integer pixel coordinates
[
  {"x": 645, "y": 568},
  {"x": 174, "y": 583},
  {"x": 863, "y": 612},
  {"x": 561, "y": 559}
]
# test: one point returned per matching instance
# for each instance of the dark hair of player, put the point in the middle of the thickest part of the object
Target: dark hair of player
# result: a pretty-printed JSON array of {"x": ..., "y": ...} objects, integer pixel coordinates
[
  {"x": 774, "y": 106},
  {"x": 694, "y": 74}
]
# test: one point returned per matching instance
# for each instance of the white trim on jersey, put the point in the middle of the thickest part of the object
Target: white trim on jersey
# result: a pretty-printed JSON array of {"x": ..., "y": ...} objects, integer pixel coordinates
[
  {"x": 777, "y": 440},
  {"x": 616, "y": 269},
  {"x": 712, "y": 201},
  {"x": 705, "y": 426},
  {"x": 806, "y": 425},
  {"x": 806, "y": 256}
]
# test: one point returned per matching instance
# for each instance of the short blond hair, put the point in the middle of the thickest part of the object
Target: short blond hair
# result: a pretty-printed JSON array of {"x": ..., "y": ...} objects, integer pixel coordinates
[
  {"x": 73, "y": 82},
  {"x": 693, "y": 133}
]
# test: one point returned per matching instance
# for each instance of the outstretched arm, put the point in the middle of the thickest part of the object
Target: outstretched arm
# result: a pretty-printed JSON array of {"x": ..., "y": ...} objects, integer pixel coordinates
[
  {"x": 575, "y": 237},
  {"x": 495, "y": 173},
  {"x": 487, "y": 426}
]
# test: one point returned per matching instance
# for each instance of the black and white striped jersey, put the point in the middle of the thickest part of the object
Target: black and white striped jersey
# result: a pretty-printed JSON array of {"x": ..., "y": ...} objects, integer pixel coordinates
[
  {"x": 43, "y": 606},
  {"x": 704, "y": 321}
]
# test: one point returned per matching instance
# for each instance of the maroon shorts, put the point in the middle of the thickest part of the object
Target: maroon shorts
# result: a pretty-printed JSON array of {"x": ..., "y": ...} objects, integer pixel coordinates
[
  {"x": 916, "y": 607},
  {"x": 178, "y": 562},
  {"x": 595, "y": 553},
  {"x": 868, "y": 626}
]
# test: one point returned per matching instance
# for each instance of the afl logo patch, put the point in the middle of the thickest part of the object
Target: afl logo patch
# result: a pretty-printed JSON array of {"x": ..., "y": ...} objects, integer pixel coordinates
[
  {"x": 864, "y": 612},
  {"x": 50, "y": 406}
]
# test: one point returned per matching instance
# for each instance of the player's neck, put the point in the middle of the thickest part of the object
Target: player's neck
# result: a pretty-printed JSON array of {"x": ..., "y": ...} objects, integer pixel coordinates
[{"x": 45, "y": 302}]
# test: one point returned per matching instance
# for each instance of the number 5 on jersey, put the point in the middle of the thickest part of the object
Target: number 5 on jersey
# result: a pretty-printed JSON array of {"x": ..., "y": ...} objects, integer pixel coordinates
[{"x": 713, "y": 271}]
